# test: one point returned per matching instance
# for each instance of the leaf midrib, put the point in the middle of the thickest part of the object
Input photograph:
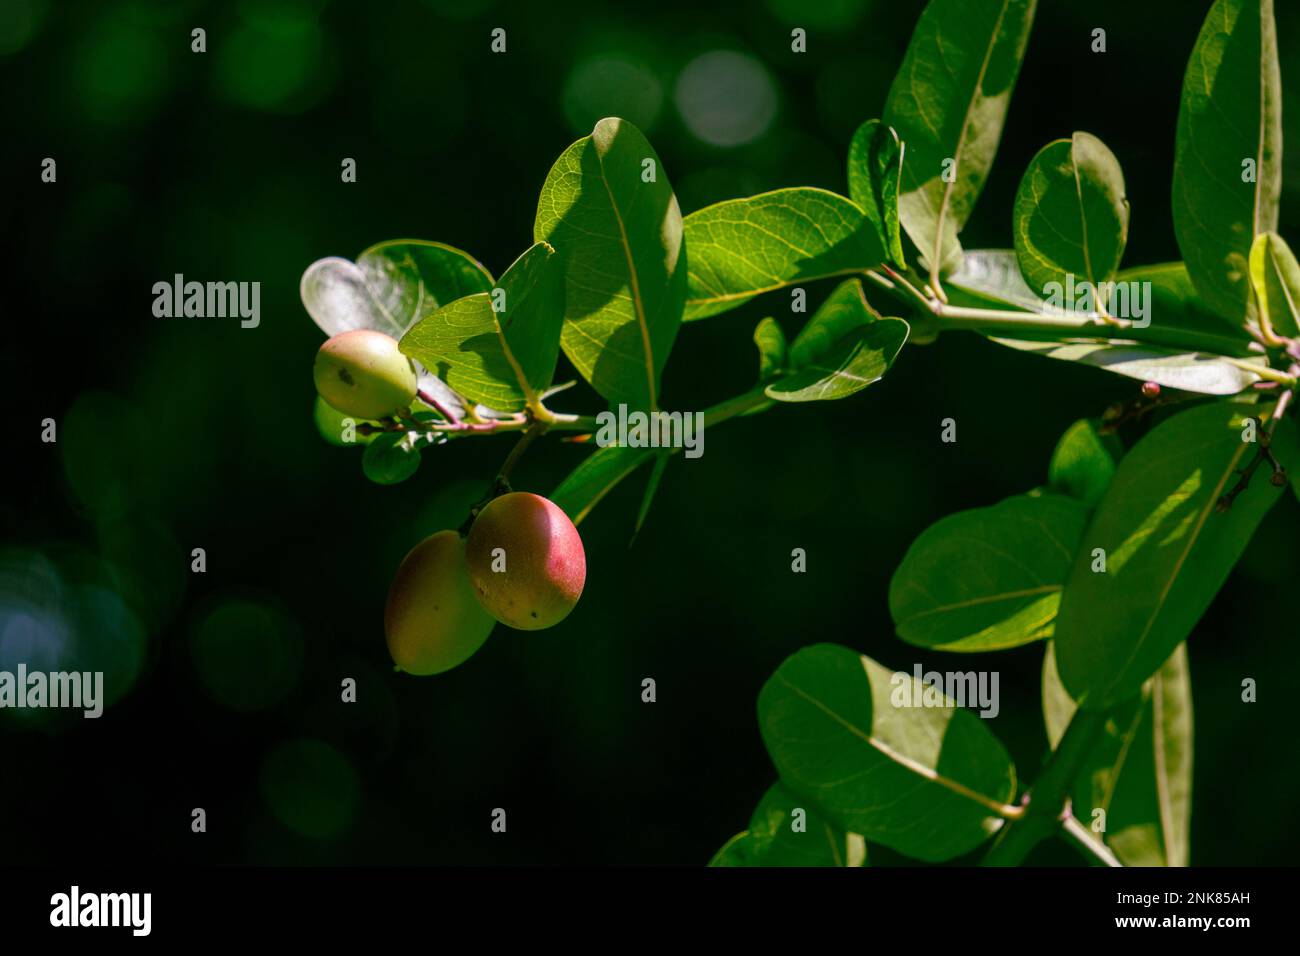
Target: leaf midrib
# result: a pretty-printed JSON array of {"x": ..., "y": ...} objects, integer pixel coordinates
[
  {"x": 638, "y": 303},
  {"x": 889, "y": 753},
  {"x": 1192, "y": 538},
  {"x": 948, "y": 188}
]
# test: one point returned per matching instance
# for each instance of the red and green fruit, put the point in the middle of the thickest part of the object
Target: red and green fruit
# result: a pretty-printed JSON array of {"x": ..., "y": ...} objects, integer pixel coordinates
[
  {"x": 526, "y": 561},
  {"x": 433, "y": 621}
]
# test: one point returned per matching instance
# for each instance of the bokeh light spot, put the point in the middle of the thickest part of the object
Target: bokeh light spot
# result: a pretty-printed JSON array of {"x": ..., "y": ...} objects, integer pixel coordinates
[
  {"x": 726, "y": 98},
  {"x": 119, "y": 73},
  {"x": 608, "y": 85},
  {"x": 248, "y": 654},
  {"x": 311, "y": 788},
  {"x": 277, "y": 70},
  {"x": 101, "y": 438},
  {"x": 20, "y": 21}
]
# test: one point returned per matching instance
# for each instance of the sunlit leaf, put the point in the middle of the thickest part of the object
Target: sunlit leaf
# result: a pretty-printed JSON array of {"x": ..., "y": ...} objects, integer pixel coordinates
[
  {"x": 844, "y": 348},
  {"x": 745, "y": 247},
  {"x": 1071, "y": 215},
  {"x": 948, "y": 103},
  {"x": 988, "y": 578},
  {"x": 609, "y": 209},
  {"x": 1168, "y": 549},
  {"x": 922, "y": 780},
  {"x": 1228, "y": 153}
]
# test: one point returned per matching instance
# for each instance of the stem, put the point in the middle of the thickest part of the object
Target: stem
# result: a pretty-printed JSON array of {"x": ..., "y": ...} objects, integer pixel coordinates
[
  {"x": 1065, "y": 325},
  {"x": 1083, "y": 839},
  {"x": 437, "y": 406},
  {"x": 1264, "y": 372},
  {"x": 1046, "y": 801},
  {"x": 526, "y": 439},
  {"x": 746, "y": 401}
]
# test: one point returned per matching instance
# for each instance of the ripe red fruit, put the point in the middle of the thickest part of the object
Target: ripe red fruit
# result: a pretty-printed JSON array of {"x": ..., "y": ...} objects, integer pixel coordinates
[
  {"x": 1150, "y": 389},
  {"x": 526, "y": 561},
  {"x": 433, "y": 620}
]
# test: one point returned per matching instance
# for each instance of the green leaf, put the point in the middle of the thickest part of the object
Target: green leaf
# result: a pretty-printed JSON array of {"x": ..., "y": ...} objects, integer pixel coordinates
[
  {"x": 1139, "y": 773},
  {"x": 784, "y": 832},
  {"x": 844, "y": 348},
  {"x": 991, "y": 279},
  {"x": 1176, "y": 306},
  {"x": 391, "y": 458},
  {"x": 1275, "y": 276},
  {"x": 1083, "y": 462},
  {"x": 922, "y": 780},
  {"x": 772, "y": 348},
  {"x": 948, "y": 103},
  {"x": 744, "y": 247},
  {"x": 625, "y": 265},
  {"x": 596, "y": 477},
  {"x": 330, "y": 423},
  {"x": 875, "y": 177},
  {"x": 1231, "y": 114},
  {"x": 390, "y": 286},
  {"x": 651, "y": 487},
  {"x": 1188, "y": 371},
  {"x": 502, "y": 359},
  {"x": 1168, "y": 551},
  {"x": 738, "y": 851},
  {"x": 988, "y": 578},
  {"x": 1071, "y": 217}
]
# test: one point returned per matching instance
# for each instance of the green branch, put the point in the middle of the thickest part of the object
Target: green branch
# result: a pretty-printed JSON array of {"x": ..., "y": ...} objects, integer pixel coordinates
[{"x": 1046, "y": 802}]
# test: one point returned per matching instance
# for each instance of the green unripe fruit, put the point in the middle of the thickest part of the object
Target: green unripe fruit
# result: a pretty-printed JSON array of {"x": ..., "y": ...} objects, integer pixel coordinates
[
  {"x": 433, "y": 620},
  {"x": 526, "y": 561},
  {"x": 363, "y": 374}
]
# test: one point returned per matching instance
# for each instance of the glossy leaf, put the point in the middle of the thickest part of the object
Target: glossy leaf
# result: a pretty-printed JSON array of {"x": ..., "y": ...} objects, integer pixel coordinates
[
  {"x": 745, "y": 247},
  {"x": 1189, "y": 371},
  {"x": 503, "y": 359},
  {"x": 988, "y": 578},
  {"x": 875, "y": 177},
  {"x": 1275, "y": 276},
  {"x": 390, "y": 458},
  {"x": 1083, "y": 462},
  {"x": 1139, "y": 772},
  {"x": 657, "y": 470},
  {"x": 1168, "y": 551},
  {"x": 772, "y": 348},
  {"x": 596, "y": 477},
  {"x": 1176, "y": 306},
  {"x": 991, "y": 279},
  {"x": 948, "y": 104},
  {"x": 1229, "y": 121},
  {"x": 785, "y": 832},
  {"x": 1071, "y": 214},
  {"x": 921, "y": 780},
  {"x": 608, "y": 207},
  {"x": 389, "y": 287},
  {"x": 844, "y": 348}
]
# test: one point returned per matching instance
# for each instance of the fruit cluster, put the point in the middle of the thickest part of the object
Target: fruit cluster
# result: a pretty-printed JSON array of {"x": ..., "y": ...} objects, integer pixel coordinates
[{"x": 521, "y": 563}]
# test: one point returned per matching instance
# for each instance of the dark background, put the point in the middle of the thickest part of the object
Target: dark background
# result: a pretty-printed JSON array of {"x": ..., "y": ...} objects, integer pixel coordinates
[{"x": 176, "y": 434}]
